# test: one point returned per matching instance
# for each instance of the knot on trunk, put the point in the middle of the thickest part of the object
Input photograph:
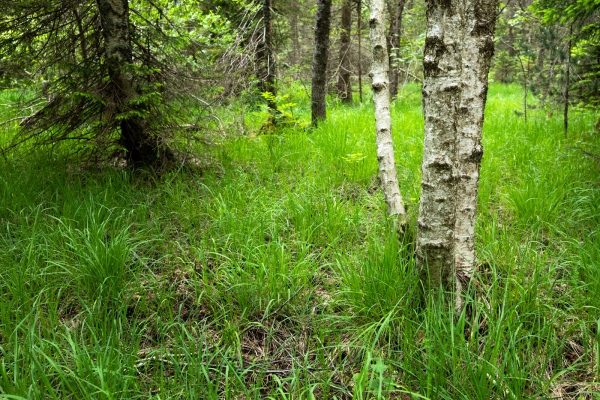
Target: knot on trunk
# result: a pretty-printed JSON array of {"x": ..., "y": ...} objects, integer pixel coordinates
[{"x": 378, "y": 86}]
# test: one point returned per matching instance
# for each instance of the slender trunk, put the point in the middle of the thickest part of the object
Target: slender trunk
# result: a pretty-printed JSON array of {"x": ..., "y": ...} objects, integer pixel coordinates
[
  {"x": 319, "y": 64},
  {"x": 511, "y": 39},
  {"x": 478, "y": 49},
  {"x": 381, "y": 97},
  {"x": 359, "y": 33},
  {"x": 142, "y": 148},
  {"x": 81, "y": 34},
  {"x": 567, "y": 84},
  {"x": 526, "y": 92},
  {"x": 295, "y": 56},
  {"x": 344, "y": 85},
  {"x": 266, "y": 57},
  {"x": 525, "y": 84},
  {"x": 541, "y": 57},
  {"x": 394, "y": 41},
  {"x": 458, "y": 49}
]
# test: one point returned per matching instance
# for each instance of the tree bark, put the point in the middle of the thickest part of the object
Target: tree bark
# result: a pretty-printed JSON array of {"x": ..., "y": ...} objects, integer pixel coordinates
[
  {"x": 567, "y": 84},
  {"x": 458, "y": 49},
  {"x": 381, "y": 97},
  {"x": 478, "y": 49},
  {"x": 344, "y": 85},
  {"x": 359, "y": 34},
  {"x": 319, "y": 64},
  {"x": 142, "y": 148},
  {"x": 394, "y": 41},
  {"x": 266, "y": 59},
  {"x": 295, "y": 56}
]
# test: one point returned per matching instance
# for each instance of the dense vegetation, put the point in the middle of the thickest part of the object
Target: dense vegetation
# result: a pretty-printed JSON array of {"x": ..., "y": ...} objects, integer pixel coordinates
[
  {"x": 267, "y": 270},
  {"x": 174, "y": 223}
]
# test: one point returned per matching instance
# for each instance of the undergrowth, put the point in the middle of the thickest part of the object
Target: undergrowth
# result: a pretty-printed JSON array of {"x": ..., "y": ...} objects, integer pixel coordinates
[{"x": 271, "y": 274}]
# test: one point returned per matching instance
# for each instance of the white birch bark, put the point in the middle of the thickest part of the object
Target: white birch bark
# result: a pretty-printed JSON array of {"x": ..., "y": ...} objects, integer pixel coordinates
[
  {"x": 458, "y": 50},
  {"x": 381, "y": 97},
  {"x": 441, "y": 97},
  {"x": 478, "y": 49}
]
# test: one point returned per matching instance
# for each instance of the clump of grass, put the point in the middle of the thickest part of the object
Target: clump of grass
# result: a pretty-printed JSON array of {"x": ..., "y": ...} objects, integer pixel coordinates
[{"x": 274, "y": 274}]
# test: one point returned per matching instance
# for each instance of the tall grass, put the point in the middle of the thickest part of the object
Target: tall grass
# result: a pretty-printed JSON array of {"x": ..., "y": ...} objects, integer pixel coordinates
[{"x": 271, "y": 273}]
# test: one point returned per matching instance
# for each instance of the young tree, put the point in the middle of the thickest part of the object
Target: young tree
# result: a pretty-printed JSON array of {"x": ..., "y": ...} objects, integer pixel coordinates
[
  {"x": 583, "y": 45},
  {"x": 344, "y": 85},
  {"x": 458, "y": 49},
  {"x": 359, "y": 35},
  {"x": 381, "y": 97},
  {"x": 115, "y": 75},
  {"x": 142, "y": 148},
  {"x": 266, "y": 57},
  {"x": 394, "y": 42},
  {"x": 319, "y": 63}
]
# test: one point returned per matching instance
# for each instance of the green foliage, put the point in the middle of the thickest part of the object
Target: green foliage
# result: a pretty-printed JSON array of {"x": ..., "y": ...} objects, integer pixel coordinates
[
  {"x": 284, "y": 115},
  {"x": 579, "y": 19},
  {"x": 57, "y": 50},
  {"x": 273, "y": 274}
]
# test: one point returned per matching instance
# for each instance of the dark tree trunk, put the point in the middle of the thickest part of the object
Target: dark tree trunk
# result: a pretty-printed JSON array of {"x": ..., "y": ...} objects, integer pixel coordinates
[
  {"x": 295, "y": 56},
  {"x": 265, "y": 55},
  {"x": 567, "y": 84},
  {"x": 344, "y": 85},
  {"x": 359, "y": 34},
  {"x": 81, "y": 35},
  {"x": 143, "y": 149},
  {"x": 319, "y": 64},
  {"x": 394, "y": 42}
]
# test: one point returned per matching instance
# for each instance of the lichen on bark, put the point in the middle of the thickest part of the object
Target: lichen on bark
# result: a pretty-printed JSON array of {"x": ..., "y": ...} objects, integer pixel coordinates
[
  {"x": 381, "y": 99},
  {"x": 456, "y": 63}
]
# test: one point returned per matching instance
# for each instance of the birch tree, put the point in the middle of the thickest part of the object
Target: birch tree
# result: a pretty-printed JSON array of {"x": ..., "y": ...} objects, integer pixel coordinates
[
  {"x": 458, "y": 50},
  {"x": 381, "y": 97}
]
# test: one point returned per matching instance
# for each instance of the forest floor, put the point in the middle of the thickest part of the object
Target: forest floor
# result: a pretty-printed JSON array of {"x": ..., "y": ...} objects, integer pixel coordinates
[{"x": 270, "y": 271}]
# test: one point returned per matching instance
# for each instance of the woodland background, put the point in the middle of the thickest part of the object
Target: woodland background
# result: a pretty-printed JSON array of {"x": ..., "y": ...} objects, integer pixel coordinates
[{"x": 247, "y": 254}]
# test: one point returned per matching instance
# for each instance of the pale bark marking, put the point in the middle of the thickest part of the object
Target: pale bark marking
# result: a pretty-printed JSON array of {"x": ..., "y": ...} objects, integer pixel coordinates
[
  {"x": 478, "y": 49},
  {"x": 381, "y": 97}
]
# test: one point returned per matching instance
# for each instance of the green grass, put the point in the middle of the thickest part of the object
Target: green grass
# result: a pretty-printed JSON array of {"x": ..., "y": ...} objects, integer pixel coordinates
[{"x": 271, "y": 273}]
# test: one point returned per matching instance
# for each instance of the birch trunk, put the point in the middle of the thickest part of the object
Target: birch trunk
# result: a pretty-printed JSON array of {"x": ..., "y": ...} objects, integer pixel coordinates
[
  {"x": 478, "y": 49},
  {"x": 381, "y": 97},
  {"x": 319, "y": 64},
  {"x": 458, "y": 49},
  {"x": 441, "y": 98}
]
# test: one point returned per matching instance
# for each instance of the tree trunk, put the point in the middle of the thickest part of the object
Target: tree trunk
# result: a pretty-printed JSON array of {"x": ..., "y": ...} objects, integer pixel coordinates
[
  {"x": 344, "y": 84},
  {"x": 81, "y": 34},
  {"x": 567, "y": 84},
  {"x": 477, "y": 52},
  {"x": 143, "y": 149},
  {"x": 394, "y": 41},
  {"x": 295, "y": 56},
  {"x": 458, "y": 49},
  {"x": 266, "y": 59},
  {"x": 359, "y": 34},
  {"x": 381, "y": 97},
  {"x": 319, "y": 64}
]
